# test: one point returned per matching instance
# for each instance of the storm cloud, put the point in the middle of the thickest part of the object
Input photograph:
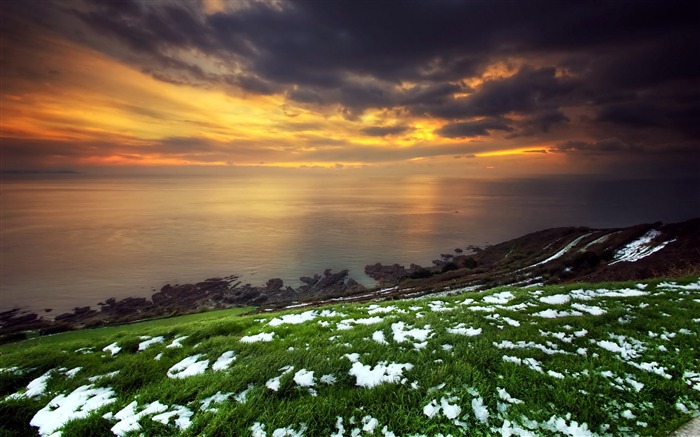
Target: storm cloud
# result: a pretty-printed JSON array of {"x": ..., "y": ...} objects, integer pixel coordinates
[{"x": 564, "y": 73}]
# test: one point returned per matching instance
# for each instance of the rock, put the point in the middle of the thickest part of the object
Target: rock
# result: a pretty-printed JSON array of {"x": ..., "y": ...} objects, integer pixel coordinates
[{"x": 386, "y": 274}]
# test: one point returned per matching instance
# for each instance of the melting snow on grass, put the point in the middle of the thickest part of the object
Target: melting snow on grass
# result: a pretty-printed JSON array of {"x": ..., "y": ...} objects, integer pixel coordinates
[
  {"x": 462, "y": 329},
  {"x": 177, "y": 342},
  {"x": 499, "y": 298},
  {"x": 368, "y": 377},
  {"x": 37, "y": 386},
  {"x": 112, "y": 348},
  {"x": 294, "y": 319},
  {"x": 128, "y": 419},
  {"x": 274, "y": 383},
  {"x": 263, "y": 336},
  {"x": 557, "y": 299},
  {"x": 149, "y": 342},
  {"x": 224, "y": 361},
  {"x": 77, "y": 405},
  {"x": 450, "y": 411},
  {"x": 190, "y": 366},
  {"x": 181, "y": 414}
]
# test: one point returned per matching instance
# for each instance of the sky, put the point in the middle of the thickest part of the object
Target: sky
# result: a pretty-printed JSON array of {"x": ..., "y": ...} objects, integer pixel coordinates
[{"x": 471, "y": 88}]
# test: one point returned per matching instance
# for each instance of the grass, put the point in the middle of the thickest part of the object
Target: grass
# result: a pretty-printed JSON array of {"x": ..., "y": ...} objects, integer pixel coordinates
[{"x": 586, "y": 374}]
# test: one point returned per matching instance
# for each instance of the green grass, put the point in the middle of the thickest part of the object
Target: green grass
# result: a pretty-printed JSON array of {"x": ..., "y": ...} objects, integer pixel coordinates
[{"x": 582, "y": 382}]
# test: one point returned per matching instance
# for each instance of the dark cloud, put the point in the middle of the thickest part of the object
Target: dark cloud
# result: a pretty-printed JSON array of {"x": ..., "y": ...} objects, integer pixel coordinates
[
  {"x": 529, "y": 90},
  {"x": 382, "y": 131},
  {"x": 473, "y": 128},
  {"x": 607, "y": 145},
  {"x": 631, "y": 67}
]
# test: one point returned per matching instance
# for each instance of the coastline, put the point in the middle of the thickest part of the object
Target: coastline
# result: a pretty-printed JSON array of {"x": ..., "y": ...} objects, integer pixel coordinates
[{"x": 552, "y": 256}]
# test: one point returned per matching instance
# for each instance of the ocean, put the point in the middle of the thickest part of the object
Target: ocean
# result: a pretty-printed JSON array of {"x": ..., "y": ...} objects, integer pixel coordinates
[{"x": 74, "y": 240}]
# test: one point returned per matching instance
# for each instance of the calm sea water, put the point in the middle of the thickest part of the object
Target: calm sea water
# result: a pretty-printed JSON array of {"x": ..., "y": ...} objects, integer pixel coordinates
[{"x": 75, "y": 240}]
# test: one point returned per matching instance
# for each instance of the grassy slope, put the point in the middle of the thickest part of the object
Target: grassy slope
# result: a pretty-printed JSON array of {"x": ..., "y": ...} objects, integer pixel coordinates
[{"x": 473, "y": 369}]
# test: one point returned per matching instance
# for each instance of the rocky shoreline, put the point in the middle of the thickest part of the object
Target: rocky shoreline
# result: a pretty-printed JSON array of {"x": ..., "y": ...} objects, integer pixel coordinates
[{"x": 551, "y": 256}]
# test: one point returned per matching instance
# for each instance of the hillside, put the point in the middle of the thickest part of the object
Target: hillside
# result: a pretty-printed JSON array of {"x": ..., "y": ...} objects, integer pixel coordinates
[
  {"x": 552, "y": 256},
  {"x": 578, "y": 360}
]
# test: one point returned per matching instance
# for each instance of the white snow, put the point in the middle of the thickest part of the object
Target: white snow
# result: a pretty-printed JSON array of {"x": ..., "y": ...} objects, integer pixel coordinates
[
  {"x": 376, "y": 309},
  {"x": 640, "y": 248},
  {"x": 294, "y": 319},
  {"x": 183, "y": 414},
  {"x": 258, "y": 430},
  {"x": 652, "y": 367},
  {"x": 499, "y": 298},
  {"x": 346, "y": 324},
  {"x": 328, "y": 379},
  {"x": 369, "y": 377},
  {"x": 557, "y": 299},
  {"x": 378, "y": 336},
  {"x": 304, "y": 378},
  {"x": 188, "y": 367},
  {"x": 481, "y": 412},
  {"x": 582, "y": 294},
  {"x": 177, "y": 343},
  {"x": 562, "y": 251},
  {"x": 593, "y": 310},
  {"x": 263, "y": 336},
  {"x": 105, "y": 376},
  {"x": 558, "y": 424},
  {"x": 37, "y": 386},
  {"x": 128, "y": 418},
  {"x": 401, "y": 334},
  {"x": 289, "y": 432},
  {"x": 627, "y": 348},
  {"x": 554, "y": 314},
  {"x": 369, "y": 423},
  {"x": 461, "y": 329},
  {"x": 146, "y": 344},
  {"x": 354, "y": 357},
  {"x": 482, "y": 309},
  {"x": 528, "y": 362},
  {"x": 214, "y": 399},
  {"x": 274, "y": 383},
  {"x": 77, "y": 405},
  {"x": 510, "y": 321},
  {"x": 242, "y": 396},
  {"x": 72, "y": 372},
  {"x": 113, "y": 348},
  {"x": 503, "y": 394},
  {"x": 224, "y": 361},
  {"x": 551, "y": 350},
  {"x": 627, "y": 414},
  {"x": 450, "y": 411}
]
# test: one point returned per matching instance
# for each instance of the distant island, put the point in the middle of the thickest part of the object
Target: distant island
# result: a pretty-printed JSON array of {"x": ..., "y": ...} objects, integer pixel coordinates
[{"x": 552, "y": 256}]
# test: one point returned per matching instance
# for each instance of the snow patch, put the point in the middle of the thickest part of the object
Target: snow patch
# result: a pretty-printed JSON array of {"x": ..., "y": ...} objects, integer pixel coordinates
[
  {"x": 462, "y": 329},
  {"x": 128, "y": 418},
  {"x": 77, "y": 405},
  {"x": 224, "y": 361},
  {"x": 112, "y": 348},
  {"x": 369, "y": 377},
  {"x": 188, "y": 367},
  {"x": 182, "y": 414},
  {"x": 148, "y": 343},
  {"x": 640, "y": 248},
  {"x": 263, "y": 336},
  {"x": 557, "y": 299}
]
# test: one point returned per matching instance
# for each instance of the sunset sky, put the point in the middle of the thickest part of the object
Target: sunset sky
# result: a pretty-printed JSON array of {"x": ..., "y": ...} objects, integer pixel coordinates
[{"x": 460, "y": 87}]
